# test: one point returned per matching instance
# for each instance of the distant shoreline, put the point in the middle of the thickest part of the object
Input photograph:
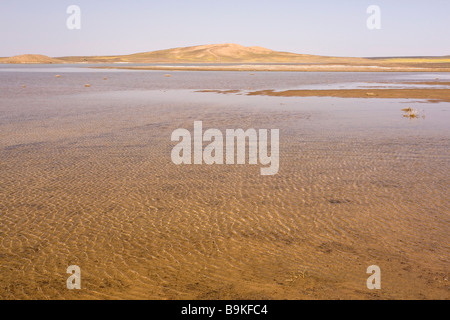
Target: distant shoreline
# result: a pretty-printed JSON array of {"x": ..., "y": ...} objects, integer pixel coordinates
[
  {"x": 282, "y": 68},
  {"x": 252, "y": 66}
]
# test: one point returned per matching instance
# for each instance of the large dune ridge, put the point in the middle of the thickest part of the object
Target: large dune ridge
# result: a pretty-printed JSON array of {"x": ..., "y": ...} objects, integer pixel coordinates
[
  {"x": 228, "y": 53},
  {"x": 214, "y": 53}
]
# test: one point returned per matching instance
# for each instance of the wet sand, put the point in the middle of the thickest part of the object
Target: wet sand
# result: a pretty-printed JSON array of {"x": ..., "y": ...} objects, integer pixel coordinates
[
  {"x": 87, "y": 180},
  {"x": 428, "y": 94},
  {"x": 430, "y": 83}
]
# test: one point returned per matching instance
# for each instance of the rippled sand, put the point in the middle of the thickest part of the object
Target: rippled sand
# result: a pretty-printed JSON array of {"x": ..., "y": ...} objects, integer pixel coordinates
[{"x": 87, "y": 180}]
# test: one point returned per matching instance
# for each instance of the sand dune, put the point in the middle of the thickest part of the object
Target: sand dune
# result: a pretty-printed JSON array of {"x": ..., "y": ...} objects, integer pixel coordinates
[
  {"x": 30, "y": 58},
  {"x": 228, "y": 52},
  {"x": 214, "y": 53}
]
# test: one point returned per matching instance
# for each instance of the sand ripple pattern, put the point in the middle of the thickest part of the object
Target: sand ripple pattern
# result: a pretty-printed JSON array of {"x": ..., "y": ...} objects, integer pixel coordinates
[{"x": 90, "y": 182}]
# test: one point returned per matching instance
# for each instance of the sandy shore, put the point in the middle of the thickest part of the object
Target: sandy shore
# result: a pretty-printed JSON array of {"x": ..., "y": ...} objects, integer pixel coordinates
[{"x": 289, "y": 68}]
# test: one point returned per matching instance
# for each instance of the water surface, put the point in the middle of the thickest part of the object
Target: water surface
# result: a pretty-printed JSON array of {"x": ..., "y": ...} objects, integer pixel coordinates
[{"x": 87, "y": 180}]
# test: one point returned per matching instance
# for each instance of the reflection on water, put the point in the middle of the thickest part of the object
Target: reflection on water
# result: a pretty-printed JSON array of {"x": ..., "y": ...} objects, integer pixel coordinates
[{"x": 87, "y": 180}]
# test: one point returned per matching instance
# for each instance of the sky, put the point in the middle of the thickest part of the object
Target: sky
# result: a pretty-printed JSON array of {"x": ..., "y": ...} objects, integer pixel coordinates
[{"x": 322, "y": 27}]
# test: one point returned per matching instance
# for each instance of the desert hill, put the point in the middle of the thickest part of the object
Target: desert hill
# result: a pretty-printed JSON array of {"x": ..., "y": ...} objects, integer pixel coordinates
[
  {"x": 215, "y": 53},
  {"x": 218, "y": 53},
  {"x": 30, "y": 59}
]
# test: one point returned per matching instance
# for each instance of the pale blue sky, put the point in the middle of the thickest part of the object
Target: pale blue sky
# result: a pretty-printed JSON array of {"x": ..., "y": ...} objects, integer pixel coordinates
[{"x": 324, "y": 27}]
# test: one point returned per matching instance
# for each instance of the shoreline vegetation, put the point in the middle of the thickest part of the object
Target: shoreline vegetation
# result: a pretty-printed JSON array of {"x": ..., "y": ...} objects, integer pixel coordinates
[{"x": 200, "y": 58}]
